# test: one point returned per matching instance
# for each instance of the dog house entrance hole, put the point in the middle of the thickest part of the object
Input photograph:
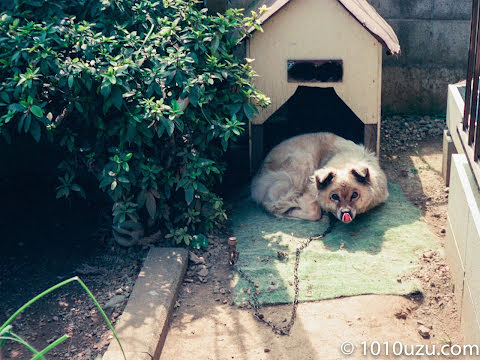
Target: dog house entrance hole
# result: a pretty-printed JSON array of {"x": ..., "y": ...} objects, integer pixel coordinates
[{"x": 312, "y": 109}]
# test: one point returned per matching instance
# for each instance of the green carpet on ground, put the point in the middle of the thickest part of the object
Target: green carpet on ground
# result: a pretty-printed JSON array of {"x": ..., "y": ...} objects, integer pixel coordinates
[{"x": 380, "y": 247}]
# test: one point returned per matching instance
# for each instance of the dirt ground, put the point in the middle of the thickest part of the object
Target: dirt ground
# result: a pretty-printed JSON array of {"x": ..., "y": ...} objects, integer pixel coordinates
[
  {"x": 45, "y": 241},
  {"x": 207, "y": 326}
]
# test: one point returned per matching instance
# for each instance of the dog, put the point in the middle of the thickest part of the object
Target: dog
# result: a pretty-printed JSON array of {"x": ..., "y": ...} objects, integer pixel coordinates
[{"x": 310, "y": 174}]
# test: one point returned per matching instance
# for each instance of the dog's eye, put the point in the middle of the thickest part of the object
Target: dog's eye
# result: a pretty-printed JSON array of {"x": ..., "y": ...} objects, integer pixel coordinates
[
  {"x": 354, "y": 195},
  {"x": 335, "y": 197}
]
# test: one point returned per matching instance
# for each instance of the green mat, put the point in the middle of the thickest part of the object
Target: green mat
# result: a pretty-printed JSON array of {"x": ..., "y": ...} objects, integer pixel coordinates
[{"x": 379, "y": 248}]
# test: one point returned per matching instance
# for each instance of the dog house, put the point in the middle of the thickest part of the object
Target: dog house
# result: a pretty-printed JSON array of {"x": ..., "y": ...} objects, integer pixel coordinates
[{"x": 324, "y": 47}]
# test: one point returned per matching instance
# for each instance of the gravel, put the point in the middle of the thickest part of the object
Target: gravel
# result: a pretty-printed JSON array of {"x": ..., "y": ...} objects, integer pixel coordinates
[
  {"x": 424, "y": 332},
  {"x": 403, "y": 132},
  {"x": 194, "y": 258},
  {"x": 114, "y": 301}
]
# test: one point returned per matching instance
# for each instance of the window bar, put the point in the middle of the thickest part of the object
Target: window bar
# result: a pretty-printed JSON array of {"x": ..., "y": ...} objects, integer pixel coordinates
[
  {"x": 471, "y": 52},
  {"x": 474, "y": 125},
  {"x": 474, "y": 97}
]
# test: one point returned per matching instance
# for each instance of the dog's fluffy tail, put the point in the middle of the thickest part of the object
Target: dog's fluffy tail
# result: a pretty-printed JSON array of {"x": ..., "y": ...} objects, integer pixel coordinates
[{"x": 275, "y": 190}]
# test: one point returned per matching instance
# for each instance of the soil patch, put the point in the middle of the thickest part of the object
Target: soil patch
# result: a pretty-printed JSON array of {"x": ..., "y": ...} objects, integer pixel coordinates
[{"x": 45, "y": 241}]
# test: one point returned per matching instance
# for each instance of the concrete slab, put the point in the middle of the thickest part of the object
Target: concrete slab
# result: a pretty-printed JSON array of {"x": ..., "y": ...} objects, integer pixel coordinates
[
  {"x": 143, "y": 326},
  {"x": 464, "y": 231},
  {"x": 455, "y": 262},
  {"x": 472, "y": 268},
  {"x": 470, "y": 325},
  {"x": 458, "y": 209}
]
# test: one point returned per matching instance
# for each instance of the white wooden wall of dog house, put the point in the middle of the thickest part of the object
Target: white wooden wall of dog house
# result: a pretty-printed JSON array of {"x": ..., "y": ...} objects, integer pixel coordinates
[{"x": 320, "y": 30}]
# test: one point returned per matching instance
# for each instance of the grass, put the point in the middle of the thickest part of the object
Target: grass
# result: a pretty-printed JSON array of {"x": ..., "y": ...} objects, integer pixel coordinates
[{"x": 6, "y": 329}]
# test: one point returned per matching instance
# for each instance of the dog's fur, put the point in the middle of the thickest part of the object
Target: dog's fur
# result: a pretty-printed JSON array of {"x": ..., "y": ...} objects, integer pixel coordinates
[{"x": 311, "y": 173}]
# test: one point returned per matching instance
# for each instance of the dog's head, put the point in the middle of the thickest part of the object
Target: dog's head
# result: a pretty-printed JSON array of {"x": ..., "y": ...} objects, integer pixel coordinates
[{"x": 343, "y": 192}]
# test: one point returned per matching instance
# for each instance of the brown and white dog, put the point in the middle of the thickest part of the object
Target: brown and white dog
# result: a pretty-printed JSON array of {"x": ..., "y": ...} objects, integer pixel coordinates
[{"x": 311, "y": 173}]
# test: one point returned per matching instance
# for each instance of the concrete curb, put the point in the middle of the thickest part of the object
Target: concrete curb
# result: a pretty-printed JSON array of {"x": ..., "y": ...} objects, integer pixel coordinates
[{"x": 143, "y": 326}]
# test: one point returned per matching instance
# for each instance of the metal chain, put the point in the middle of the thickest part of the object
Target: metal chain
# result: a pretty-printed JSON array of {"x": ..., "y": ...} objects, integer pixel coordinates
[{"x": 254, "y": 303}]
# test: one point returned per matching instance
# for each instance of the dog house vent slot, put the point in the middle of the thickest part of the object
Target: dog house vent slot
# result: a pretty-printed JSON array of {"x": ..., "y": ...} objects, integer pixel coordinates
[{"x": 315, "y": 70}]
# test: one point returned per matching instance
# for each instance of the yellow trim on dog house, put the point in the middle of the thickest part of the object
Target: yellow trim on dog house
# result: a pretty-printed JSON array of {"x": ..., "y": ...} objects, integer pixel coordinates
[{"x": 347, "y": 30}]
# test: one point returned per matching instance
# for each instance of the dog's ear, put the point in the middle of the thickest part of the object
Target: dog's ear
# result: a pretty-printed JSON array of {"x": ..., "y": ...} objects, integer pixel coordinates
[
  {"x": 323, "y": 178},
  {"x": 362, "y": 174}
]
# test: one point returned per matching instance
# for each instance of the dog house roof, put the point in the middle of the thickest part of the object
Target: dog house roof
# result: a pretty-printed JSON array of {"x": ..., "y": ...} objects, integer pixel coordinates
[{"x": 361, "y": 10}]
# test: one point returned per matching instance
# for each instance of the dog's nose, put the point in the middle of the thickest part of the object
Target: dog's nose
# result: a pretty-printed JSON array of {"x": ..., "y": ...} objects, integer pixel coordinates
[{"x": 346, "y": 216}]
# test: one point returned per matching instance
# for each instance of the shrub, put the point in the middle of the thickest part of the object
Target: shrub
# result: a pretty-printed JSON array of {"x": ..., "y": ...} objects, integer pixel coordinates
[{"x": 146, "y": 96}]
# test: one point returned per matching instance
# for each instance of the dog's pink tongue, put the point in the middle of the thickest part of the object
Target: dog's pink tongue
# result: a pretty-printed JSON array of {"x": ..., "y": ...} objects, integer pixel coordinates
[{"x": 346, "y": 218}]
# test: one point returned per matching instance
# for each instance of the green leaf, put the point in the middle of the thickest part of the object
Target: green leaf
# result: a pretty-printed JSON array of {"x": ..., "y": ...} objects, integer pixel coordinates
[
  {"x": 160, "y": 130},
  {"x": 107, "y": 105},
  {"x": 224, "y": 142},
  {"x": 35, "y": 130},
  {"x": 105, "y": 89},
  {"x": 4, "y": 96},
  {"x": 182, "y": 183},
  {"x": 79, "y": 106},
  {"x": 116, "y": 97},
  {"x": 123, "y": 179},
  {"x": 16, "y": 107},
  {"x": 200, "y": 241},
  {"x": 62, "y": 192},
  {"x": 105, "y": 181},
  {"x": 141, "y": 198},
  {"x": 194, "y": 95},
  {"x": 189, "y": 195},
  {"x": 215, "y": 43},
  {"x": 37, "y": 111},
  {"x": 78, "y": 188},
  {"x": 168, "y": 125},
  {"x": 202, "y": 188},
  {"x": 70, "y": 81},
  {"x": 249, "y": 110},
  {"x": 28, "y": 121}
]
